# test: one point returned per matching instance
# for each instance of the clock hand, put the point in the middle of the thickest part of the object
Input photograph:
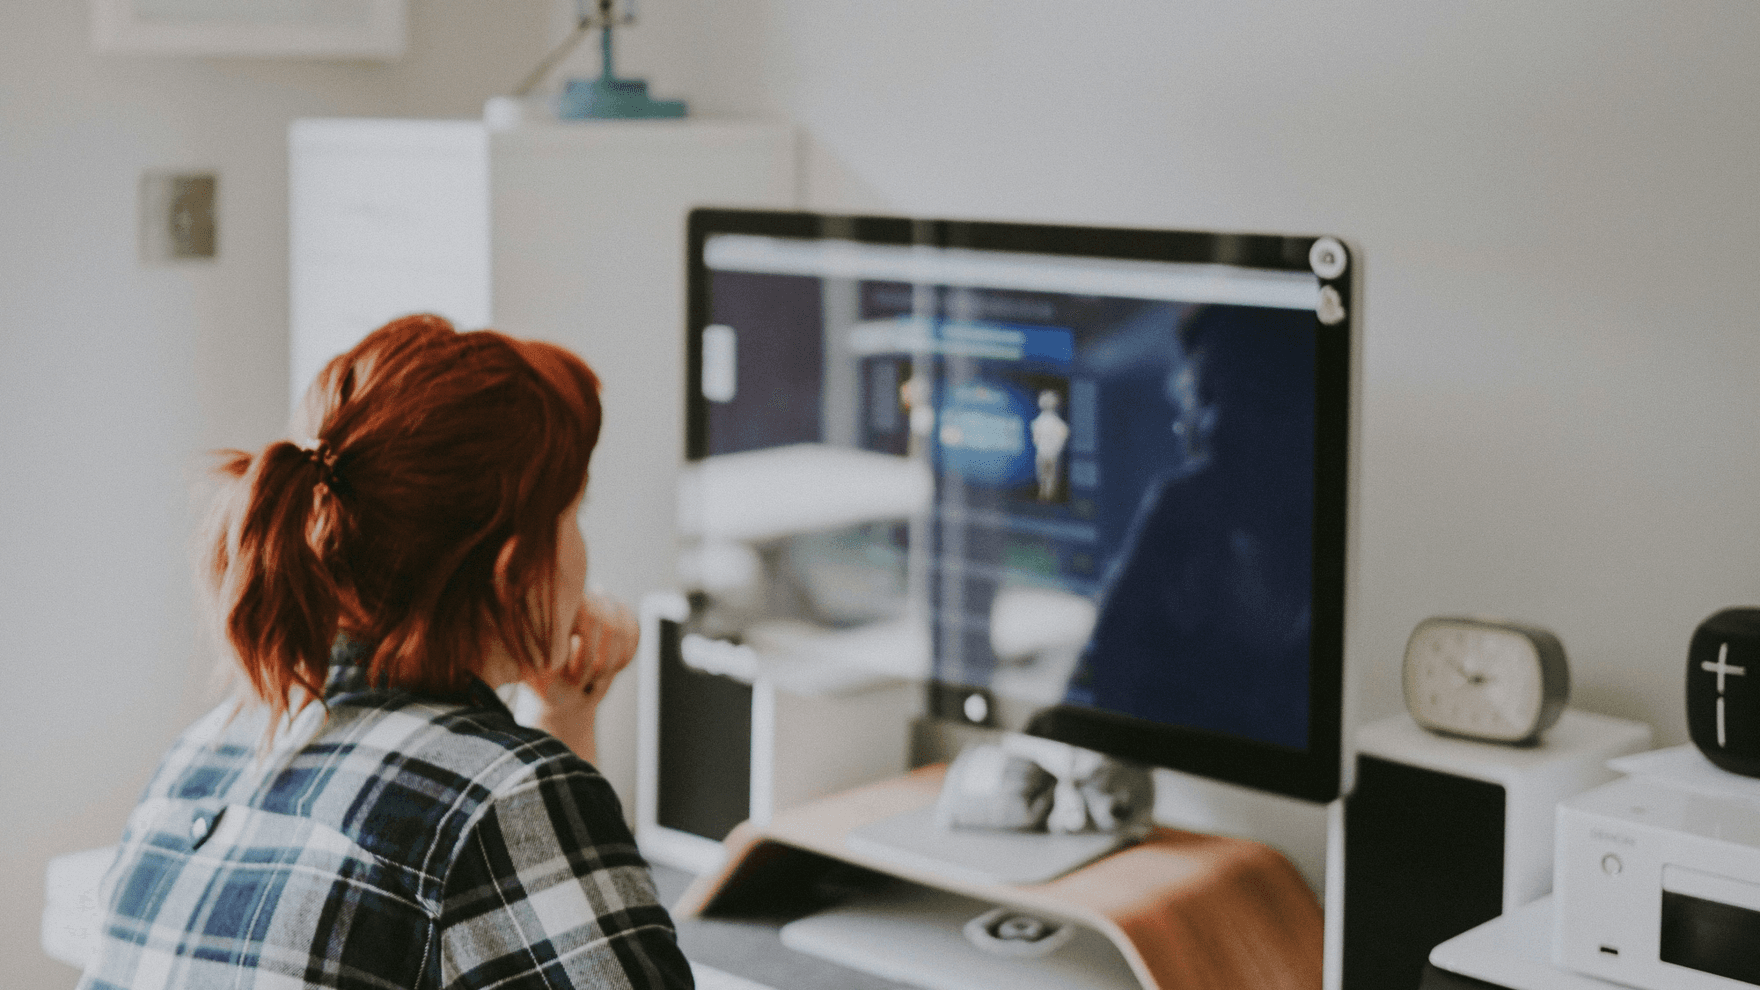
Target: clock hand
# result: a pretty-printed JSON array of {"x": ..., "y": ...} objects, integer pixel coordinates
[{"x": 1474, "y": 678}]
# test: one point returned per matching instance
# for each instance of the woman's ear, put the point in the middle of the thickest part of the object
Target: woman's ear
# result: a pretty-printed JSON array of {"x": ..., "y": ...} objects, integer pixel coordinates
[
  {"x": 539, "y": 596},
  {"x": 504, "y": 561}
]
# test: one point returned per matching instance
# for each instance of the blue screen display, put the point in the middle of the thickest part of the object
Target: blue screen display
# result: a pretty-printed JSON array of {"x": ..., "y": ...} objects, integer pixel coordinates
[{"x": 1123, "y": 487}]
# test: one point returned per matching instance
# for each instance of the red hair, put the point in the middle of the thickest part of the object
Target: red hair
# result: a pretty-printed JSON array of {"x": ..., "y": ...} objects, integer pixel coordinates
[{"x": 418, "y": 515}]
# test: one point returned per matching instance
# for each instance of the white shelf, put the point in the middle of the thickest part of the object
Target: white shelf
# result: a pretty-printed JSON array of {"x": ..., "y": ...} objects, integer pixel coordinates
[
  {"x": 1514, "y": 951},
  {"x": 365, "y": 29}
]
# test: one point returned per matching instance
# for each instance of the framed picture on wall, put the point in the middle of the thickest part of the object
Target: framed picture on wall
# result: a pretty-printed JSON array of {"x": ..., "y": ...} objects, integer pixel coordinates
[{"x": 328, "y": 29}]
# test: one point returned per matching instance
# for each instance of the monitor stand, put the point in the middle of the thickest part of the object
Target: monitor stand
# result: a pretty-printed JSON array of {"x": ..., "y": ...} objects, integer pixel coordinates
[
  {"x": 916, "y": 935},
  {"x": 914, "y": 840},
  {"x": 1174, "y": 904}
]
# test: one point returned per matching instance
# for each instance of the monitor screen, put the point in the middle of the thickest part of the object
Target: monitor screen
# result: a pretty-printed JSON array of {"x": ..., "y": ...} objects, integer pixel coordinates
[{"x": 1085, "y": 482}]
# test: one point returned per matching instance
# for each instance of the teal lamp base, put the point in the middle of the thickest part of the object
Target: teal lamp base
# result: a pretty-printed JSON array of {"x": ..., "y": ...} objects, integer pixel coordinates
[{"x": 613, "y": 99}]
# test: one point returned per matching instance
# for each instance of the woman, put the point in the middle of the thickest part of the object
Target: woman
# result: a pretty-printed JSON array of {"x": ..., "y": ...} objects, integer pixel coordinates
[{"x": 370, "y": 815}]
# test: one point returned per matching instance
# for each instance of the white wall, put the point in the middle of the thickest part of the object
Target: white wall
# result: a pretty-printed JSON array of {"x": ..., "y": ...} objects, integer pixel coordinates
[
  {"x": 114, "y": 377},
  {"x": 1559, "y": 211}
]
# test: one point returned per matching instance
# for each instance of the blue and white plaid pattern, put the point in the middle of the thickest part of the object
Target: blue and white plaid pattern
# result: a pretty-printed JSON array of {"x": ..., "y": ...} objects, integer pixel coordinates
[{"x": 401, "y": 842}]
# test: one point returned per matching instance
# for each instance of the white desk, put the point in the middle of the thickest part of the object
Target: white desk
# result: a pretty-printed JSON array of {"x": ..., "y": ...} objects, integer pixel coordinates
[{"x": 1512, "y": 951}]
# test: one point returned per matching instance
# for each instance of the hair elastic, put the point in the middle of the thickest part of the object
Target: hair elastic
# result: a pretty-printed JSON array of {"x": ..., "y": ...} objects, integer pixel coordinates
[{"x": 323, "y": 455}]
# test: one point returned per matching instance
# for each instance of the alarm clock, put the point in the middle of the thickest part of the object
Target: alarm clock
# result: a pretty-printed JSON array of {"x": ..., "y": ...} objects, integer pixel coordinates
[
  {"x": 1723, "y": 702},
  {"x": 1485, "y": 679}
]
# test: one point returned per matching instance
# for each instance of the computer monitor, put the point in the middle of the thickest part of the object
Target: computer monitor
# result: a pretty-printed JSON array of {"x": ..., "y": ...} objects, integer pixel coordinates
[{"x": 1090, "y": 483}]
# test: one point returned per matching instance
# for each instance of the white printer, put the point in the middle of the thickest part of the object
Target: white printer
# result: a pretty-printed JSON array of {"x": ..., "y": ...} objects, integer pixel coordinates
[{"x": 1656, "y": 876}]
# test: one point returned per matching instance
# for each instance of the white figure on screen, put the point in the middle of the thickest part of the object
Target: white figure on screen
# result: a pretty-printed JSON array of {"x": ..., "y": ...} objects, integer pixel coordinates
[
  {"x": 1050, "y": 433},
  {"x": 913, "y": 398}
]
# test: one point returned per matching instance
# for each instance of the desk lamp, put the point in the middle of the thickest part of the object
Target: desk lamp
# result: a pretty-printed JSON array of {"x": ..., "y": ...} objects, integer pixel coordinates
[{"x": 607, "y": 97}]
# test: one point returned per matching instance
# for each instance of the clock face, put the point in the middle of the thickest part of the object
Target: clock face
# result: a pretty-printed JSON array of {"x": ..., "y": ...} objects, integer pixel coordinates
[{"x": 1474, "y": 679}]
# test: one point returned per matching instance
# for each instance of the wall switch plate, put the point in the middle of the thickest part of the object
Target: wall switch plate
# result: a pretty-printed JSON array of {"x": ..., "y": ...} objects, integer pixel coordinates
[{"x": 178, "y": 217}]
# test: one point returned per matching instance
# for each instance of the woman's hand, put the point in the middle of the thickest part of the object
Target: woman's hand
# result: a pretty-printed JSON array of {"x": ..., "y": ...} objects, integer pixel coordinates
[{"x": 601, "y": 643}]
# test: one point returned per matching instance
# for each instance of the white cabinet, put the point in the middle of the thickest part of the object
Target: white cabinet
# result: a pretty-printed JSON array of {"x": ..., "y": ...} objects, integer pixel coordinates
[
  {"x": 386, "y": 217},
  {"x": 567, "y": 232}
]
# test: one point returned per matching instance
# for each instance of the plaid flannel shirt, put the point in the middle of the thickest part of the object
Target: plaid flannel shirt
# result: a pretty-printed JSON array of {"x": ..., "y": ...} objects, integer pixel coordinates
[{"x": 401, "y": 842}]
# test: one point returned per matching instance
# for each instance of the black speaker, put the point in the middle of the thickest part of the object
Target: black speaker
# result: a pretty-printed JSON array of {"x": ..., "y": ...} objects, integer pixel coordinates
[
  {"x": 1423, "y": 863},
  {"x": 1443, "y": 834},
  {"x": 705, "y": 740},
  {"x": 1723, "y": 700}
]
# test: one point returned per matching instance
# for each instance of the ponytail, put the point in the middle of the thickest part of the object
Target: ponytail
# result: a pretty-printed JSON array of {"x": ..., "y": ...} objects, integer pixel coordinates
[{"x": 277, "y": 600}]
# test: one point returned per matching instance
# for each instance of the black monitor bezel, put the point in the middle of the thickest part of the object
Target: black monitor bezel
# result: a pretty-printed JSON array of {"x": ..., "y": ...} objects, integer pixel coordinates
[{"x": 1313, "y": 774}]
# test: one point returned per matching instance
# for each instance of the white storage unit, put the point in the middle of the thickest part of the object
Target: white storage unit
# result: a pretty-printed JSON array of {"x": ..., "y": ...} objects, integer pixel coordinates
[
  {"x": 386, "y": 217},
  {"x": 571, "y": 232}
]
